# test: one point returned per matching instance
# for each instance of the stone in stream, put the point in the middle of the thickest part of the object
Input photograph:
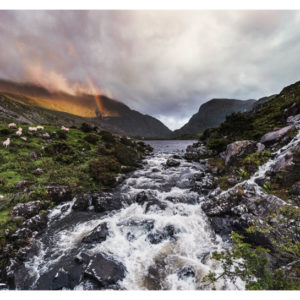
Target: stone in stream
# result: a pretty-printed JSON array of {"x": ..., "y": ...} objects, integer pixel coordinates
[
  {"x": 172, "y": 163},
  {"x": 186, "y": 272},
  {"x": 167, "y": 233},
  {"x": 104, "y": 271},
  {"x": 82, "y": 202},
  {"x": 103, "y": 202},
  {"x": 97, "y": 235}
]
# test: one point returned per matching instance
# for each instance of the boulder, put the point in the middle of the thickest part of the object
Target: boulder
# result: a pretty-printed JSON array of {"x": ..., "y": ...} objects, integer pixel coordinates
[
  {"x": 22, "y": 184},
  {"x": 240, "y": 208},
  {"x": 103, "y": 202},
  {"x": 196, "y": 152},
  {"x": 158, "y": 236},
  {"x": 27, "y": 210},
  {"x": 82, "y": 202},
  {"x": 283, "y": 162},
  {"x": 294, "y": 109},
  {"x": 186, "y": 272},
  {"x": 59, "y": 193},
  {"x": 172, "y": 163},
  {"x": 38, "y": 171},
  {"x": 105, "y": 271},
  {"x": 97, "y": 235},
  {"x": 277, "y": 135},
  {"x": 37, "y": 223},
  {"x": 292, "y": 120},
  {"x": 238, "y": 148}
]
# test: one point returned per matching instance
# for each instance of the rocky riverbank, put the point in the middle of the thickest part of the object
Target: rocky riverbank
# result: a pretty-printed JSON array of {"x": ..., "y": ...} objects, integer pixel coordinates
[
  {"x": 50, "y": 166},
  {"x": 255, "y": 192}
]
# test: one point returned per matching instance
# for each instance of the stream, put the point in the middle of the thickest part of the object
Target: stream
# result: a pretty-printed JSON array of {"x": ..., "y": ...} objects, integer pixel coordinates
[{"x": 162, "y": 246}]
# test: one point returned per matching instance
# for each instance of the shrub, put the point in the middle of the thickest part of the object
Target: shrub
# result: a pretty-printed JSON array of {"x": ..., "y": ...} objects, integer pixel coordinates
[
  {"x": 126, "y": 156},
  {"x": 107, "y": 136},
  {"x": 92, "y": 138},
  {"x": 86, "y": 127},
  {"x": 104, "y": 170}
]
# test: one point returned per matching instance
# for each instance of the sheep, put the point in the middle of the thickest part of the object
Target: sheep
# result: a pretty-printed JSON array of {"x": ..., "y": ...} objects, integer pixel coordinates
[
  {"x": 64, "y": 128},
  {"x": 6, "y": 142},
  {"x": 39, "y": 127},
  {"x": 12, "y": 125},
  {"x": 19, "y": 132},
  {"x": 32, "y": 128}
]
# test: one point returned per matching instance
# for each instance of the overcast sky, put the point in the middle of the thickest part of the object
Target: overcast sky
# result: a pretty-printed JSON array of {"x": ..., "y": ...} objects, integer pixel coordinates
[{"x": 163, "y": 63}]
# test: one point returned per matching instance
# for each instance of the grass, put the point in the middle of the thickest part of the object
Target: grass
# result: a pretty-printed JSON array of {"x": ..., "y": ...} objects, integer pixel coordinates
[{"x": 84, "y": 160}]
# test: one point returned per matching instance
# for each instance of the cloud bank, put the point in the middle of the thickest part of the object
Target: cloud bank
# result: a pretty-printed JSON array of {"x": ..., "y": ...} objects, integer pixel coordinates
[{"x": 163, "y": 63}]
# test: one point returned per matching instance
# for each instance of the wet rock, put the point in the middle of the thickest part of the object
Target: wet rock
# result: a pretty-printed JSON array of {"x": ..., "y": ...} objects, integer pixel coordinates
[
  {"x": 22, "y": 233},
  {"x": 60, "y": 280},
  {"x": 33, "y": 155},
  {"x": 37, "y": 223},
  {"x": 82, "y": 202},
  {"x": 221, "y": 225},
  {"x": 97, "y": 235},
  {"x": 103, "y": 202},
  {"x": 186, "y": 272},
  {"x": 65, "y": 208},
  {"x": 262, "y": 180},
  {"x": 241, "y": 208},
  {"x": 155, "y": 170},
  {"x": 172, "y": 163},
  {"x": 38, "y": 171},
  {"x": 141, "y": 197},
  {"x": 155, "y": 203},
  {"x": 167, "y": 233},
  {"x": 59, "y": 193},
  {"x": 277, "y": 135},
  {"x": 27, "y": 210},
  {"x": 238, "y": 148},
  {"x": 198, "y": 176},
  {"x": 283, "y": 162},
  {"x": 196, "y": 152},
  {"x": 292, "y": 120},
  {"x": 104, "y": 271}
]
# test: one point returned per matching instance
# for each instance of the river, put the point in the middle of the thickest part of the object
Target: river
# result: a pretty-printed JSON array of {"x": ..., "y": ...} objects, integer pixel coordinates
[{"x": 164, "y": 245}]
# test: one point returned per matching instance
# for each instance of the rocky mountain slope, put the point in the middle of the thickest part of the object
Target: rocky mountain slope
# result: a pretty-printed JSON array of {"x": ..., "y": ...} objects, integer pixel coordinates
[
  {"x": 253, "y": 197},
  {"x": 213, "y": 113},
  {"x": 29, "y": 103}
]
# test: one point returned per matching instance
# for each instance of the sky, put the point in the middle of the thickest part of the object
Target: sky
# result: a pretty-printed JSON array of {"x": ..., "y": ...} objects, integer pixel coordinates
[{"x": 162, "y": 63}]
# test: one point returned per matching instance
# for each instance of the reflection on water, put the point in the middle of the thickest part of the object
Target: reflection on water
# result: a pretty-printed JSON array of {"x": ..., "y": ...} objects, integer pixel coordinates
[{"x": 167, "y": 146}]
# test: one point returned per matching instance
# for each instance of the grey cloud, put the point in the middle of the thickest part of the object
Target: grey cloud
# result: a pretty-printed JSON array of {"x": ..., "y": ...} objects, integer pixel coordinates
[{"x": 163, "y": 63}]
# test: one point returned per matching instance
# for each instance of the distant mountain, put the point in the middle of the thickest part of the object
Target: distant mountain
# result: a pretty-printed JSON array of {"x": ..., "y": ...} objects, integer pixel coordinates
[
  {"x": 212, "y": 114},
  {"x": 32, "y": 103}
]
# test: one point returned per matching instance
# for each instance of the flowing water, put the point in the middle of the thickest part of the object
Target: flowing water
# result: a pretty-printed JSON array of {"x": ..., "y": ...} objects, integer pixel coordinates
[{"x": 149, "y": 265}]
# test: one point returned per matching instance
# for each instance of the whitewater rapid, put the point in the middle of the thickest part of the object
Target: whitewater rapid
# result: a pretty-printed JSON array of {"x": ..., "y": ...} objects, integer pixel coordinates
[{"x": 148, "y": 265}]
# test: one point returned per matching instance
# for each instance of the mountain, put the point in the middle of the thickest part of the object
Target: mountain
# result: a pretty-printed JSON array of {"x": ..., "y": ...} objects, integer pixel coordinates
[
  {"x": 31, "y": 103},
  {"x": 212, "y": 114}
]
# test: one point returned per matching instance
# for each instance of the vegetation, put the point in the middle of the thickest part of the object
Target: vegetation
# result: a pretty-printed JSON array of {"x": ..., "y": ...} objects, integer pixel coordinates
[
  {"x": 82, "y": 159},
  {"x": 254, "y": 124}
]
